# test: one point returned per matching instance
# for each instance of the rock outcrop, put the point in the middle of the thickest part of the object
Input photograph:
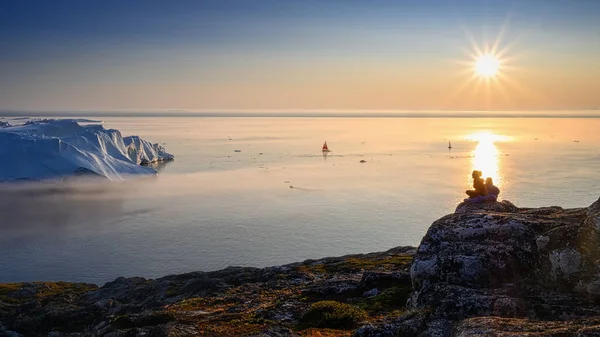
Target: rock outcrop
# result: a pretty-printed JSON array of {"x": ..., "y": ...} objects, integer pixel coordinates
[{"x": 494, "y": 269}]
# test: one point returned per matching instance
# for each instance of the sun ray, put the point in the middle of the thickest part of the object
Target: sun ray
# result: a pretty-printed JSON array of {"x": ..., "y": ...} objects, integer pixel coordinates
[
  {"x": 474, "y": 46},
  {"x": 464, "y": 85},
  {"x": 501, "y": 54},
  {"x": 490, "y": 75},
  {"x": 500, "y": 37},
  {"x": 490, "y": 71},
  {"x": 497, "y": 80}
]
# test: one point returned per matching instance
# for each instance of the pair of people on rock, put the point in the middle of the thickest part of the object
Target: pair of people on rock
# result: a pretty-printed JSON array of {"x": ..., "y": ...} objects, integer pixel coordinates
[{"x": 482, "y": 190}]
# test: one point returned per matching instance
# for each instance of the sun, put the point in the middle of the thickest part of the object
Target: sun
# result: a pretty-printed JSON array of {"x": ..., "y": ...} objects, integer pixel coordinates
[
  {"x": 489, "y": 72},
  {"x": 487, "y": 65}
]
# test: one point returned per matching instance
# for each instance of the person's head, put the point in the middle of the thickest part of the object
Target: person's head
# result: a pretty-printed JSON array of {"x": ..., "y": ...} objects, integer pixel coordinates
[
  {"x": 476, "y": 174},
  {"x": 489, "y": 181}
]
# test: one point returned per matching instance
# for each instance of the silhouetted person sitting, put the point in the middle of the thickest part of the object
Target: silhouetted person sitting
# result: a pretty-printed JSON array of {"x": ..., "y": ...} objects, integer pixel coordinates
[
  {"x": 479, "y": 188},
  {"x": 492, "y": 190}
]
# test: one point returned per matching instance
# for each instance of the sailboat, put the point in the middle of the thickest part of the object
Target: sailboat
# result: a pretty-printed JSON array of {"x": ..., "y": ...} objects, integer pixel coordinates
[
  {"x": 325, "y": 148},
  {"x": 449, "y": 145}
]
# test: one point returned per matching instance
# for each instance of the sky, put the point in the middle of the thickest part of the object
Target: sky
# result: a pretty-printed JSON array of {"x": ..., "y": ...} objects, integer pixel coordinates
[{"x": 297, "y": 55}]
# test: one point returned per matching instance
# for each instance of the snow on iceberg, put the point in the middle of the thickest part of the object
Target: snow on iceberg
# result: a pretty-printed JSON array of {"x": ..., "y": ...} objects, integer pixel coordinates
[{"x": 45, "y": 149}]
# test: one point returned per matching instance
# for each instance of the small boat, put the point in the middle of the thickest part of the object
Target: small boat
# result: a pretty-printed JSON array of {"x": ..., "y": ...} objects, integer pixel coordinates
[
  {"x": 449, "y": 145},
  {"x": 325, "y": 148}
]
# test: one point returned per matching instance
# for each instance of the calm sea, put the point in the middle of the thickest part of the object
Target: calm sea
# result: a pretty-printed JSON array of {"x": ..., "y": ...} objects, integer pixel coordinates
[{"x": 259, "y": 192}]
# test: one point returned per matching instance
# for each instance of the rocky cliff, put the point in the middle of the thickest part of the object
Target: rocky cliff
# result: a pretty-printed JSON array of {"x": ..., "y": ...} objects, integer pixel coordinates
[
  {"x": 488, "y": 269},
  {"x": 495, "y": 269}
]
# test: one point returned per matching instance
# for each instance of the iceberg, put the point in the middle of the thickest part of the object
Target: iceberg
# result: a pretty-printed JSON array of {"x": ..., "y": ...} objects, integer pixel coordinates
[{"x": 48, "y": 149}]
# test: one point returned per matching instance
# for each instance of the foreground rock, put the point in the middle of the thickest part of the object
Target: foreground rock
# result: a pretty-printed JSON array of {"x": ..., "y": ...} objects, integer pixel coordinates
[
  {"x": 497, "y": 270},
  {"x": 327, "y": 297}
]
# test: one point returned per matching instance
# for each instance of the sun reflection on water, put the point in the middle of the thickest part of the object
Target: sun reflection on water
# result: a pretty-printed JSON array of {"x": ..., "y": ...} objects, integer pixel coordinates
[{"x": 485, "y": 155}]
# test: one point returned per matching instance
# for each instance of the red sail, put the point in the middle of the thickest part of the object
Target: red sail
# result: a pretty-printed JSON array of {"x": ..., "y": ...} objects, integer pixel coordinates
[{"x": 325, "y": 147}]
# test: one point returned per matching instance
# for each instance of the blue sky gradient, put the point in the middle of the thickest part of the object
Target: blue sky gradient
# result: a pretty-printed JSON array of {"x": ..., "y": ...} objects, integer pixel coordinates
[{"x": 295, "y": 55}]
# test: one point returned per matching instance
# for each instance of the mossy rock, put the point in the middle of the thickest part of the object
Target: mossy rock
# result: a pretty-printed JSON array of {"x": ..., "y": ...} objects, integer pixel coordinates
[
  {"x": 363, "y": 263},
  {"x": 155, "y": 318},
  {"x": 390, "y": 299},
  {"x": 19, "y": 293},
  {"x": 356, "y": 263},
  {"x": 332, "y": 314},
  {"x": 143, "y": 320},
  {"x": 323, "y": 332}
]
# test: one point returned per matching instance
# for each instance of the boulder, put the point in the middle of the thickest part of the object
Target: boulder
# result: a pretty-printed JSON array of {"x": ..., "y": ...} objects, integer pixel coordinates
[
  {"x": 494, "y": 206},
  {"x": 497, "y": 260}
]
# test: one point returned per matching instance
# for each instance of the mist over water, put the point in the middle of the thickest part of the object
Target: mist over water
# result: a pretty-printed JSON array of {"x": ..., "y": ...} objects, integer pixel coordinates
[{"x": 278, "y": 199}]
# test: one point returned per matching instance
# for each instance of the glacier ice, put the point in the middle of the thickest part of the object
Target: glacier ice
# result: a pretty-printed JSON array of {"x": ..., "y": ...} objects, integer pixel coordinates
[{"x": 47, "y": 149}]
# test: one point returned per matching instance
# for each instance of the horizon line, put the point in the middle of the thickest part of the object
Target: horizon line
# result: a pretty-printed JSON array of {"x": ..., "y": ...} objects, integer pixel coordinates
[{"x": 546, "y": 113}]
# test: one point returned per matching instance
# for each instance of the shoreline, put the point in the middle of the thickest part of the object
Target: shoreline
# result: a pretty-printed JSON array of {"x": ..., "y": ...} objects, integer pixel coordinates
[
  {"x": 487, "y": 269},
  {"x": 138, "y": 303}
]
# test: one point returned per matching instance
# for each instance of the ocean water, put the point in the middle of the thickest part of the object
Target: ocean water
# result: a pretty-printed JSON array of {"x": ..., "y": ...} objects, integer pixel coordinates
[{"x": 259, "y": 192}]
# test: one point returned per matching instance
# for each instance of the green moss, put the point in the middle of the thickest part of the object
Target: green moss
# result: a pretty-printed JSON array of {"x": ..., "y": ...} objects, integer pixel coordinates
[
  {"x": 390, "y": 299},
  {"x": 358, "y": 263},
  {"x": 50, "y": 289},
  {"x": 173, "y": 289},
  {"x": 42, "y": 290},
  {"x": 332, "y": 314},
  {"x": 187, "y": 305},
  {"x": 311, "y": 268},
  {"x": 6, "y": 288}
]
